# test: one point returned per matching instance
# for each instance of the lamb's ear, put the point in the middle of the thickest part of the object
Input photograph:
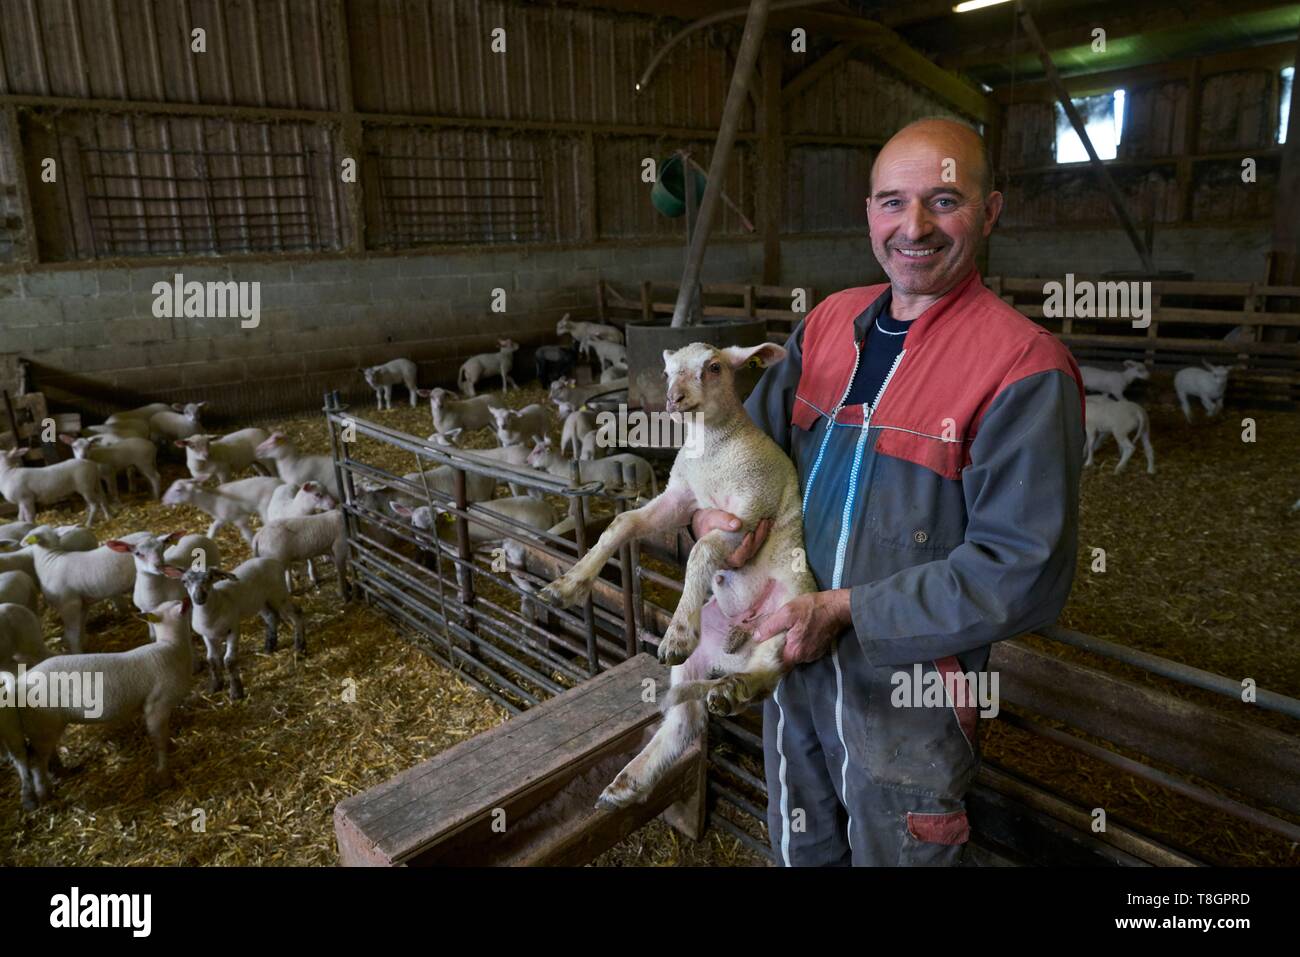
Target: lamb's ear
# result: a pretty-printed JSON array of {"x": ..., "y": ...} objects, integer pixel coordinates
[
  {"x": 424, "y": 393},
  {"x": 219, "y": 575},
  {"x": 178, "y": 407},
  {"x": 758, "y": 357},
  {"x": 400, "y": 509},
  {"x": 119, "y": 546},
  {"x": 171, "y": 571},
  {"x": 66, "y": 439},
  {"x": 172, "y": 538},
  {"x": 150, "y": 617},
  {"x": 181, "y": 443}
]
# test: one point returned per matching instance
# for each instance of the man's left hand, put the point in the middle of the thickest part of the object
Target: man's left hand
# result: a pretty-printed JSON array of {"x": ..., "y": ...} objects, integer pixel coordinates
[{"x": 810, "y": 623}]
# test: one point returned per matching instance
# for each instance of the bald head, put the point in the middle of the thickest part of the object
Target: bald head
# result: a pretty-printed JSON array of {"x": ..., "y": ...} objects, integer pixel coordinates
[{"x": 943, "y": 139}]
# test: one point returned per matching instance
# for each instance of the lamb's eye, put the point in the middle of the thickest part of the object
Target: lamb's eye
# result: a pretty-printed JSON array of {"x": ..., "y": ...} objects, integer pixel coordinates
[{"x": 715, "y": 368}]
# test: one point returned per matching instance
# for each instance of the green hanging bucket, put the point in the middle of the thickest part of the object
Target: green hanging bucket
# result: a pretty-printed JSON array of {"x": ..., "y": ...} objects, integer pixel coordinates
[{"x": 669, "y": 193}]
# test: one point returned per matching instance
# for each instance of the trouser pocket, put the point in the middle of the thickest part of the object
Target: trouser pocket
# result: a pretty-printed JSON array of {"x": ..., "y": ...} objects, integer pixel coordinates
[{"x": 934, "y": 838}]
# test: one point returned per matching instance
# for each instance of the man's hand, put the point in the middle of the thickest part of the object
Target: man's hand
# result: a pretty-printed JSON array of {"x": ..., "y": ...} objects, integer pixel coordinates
[
  {"x": 810, "y": 623},
  {"x": 706, "y": 520}
]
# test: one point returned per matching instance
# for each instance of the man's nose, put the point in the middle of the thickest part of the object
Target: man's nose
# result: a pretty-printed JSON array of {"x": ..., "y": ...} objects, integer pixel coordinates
[{"x": 916, "y": 221}]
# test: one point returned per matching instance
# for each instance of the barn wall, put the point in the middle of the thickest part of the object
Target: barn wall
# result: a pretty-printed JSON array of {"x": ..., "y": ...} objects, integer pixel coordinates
[{"x": 92, "y": 331}]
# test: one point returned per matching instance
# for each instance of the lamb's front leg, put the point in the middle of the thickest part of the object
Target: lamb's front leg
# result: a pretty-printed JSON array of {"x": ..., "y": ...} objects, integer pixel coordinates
[
  {"x": 670, "y": 510},
  {"x": 683, "y": 633}
]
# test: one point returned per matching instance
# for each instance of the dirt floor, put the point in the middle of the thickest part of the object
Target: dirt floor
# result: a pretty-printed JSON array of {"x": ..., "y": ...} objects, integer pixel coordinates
[{"x": 1201, "y": 567}]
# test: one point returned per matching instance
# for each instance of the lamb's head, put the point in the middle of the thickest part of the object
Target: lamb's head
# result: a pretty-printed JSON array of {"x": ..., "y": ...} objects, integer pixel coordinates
[
  {"x": 702, "y": 379},
  {"x": 200, "y": 582},
  {"x": 276, "y": 444},
  {"x": 315, "y": 498},
  {"x": 540, "y": 454},
  {"x": 504, "y": 418},
  {"x": 369, "y": 374},
  {"x": 46, "y": 536},
  {"x": 200, "y": 445},
  {"x": 12, "y": 458},
  {"x": 179, "y": 492},
  {"x": 175, "y": 613},
  {"x": 507, "y": 345},
  {"x": 1220, "y": 373},
  {"x": 150, "y": 554},
  {"x": 1135, "y": 370},
  {"x": 562, "y": 326},
  {"x": 449, "y": 439},
  {"x": 422, "y": 517},
  {"x": 191, "y": 411},
  {"x": 80, "y": 446},
  {"x": 437, "y": 398}
]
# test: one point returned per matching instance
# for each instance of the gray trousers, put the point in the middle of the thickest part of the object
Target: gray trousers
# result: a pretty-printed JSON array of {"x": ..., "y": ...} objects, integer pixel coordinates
[{"x": 855, "y": 778}]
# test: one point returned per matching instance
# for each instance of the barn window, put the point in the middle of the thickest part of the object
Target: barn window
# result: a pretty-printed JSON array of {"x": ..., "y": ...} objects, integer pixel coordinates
[{"x": 1103, "y": 118}]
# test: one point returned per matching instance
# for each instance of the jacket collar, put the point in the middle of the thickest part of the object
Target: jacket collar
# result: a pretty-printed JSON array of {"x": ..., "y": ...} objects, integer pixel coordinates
[{"x": 924, "y": 324}]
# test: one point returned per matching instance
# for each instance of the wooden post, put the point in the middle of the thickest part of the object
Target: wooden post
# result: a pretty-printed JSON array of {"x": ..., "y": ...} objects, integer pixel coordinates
[
  {"x": 350, "y": 135},
  {"x": 1286, "y": 231},
  {"x": 771, "y": 160},
  {"x": 30, "y": 252},
  {"x": 1191, "y": 140}
]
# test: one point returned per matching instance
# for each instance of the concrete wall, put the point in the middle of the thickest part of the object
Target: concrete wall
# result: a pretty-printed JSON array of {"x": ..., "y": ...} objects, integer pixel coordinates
[{"x": 92, "y": 333}]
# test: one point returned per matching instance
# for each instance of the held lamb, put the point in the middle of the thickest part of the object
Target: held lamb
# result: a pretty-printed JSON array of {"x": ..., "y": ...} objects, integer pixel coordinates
[
  {"x": 224, "y": 599},
  {"x": 113, "y": 457},
  {"x": 153, "y": 678},
  {"x": 28, "y": 488},
  {"x": 452, "y": 414},
  {"x": 1112, "y": 383},
  {"x": 1208, "y": 385},
  {"x": 485, "y": 365},
  {"x": 209, "y": 455},
  {"x": 296, "y": 468},
  {"x": 1122, "y": 419},
  {"x": 736, "y": 467},
  {"x": 382, "y": 378}
]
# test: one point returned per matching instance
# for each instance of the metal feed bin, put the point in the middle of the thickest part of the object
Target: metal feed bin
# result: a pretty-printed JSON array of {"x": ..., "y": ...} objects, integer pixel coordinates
[{"x": 646, "y": 342}]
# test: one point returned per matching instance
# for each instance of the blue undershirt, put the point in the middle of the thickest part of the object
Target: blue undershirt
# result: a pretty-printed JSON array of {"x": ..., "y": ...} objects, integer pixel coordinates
[{"x": 883, "y": 343}]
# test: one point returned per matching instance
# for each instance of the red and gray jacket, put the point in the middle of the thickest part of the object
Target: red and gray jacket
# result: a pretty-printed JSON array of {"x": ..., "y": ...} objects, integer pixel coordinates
[{"x": 951, "y": 508}]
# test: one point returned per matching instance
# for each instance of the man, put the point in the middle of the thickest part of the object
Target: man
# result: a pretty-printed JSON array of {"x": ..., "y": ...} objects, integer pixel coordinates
[{"x": 938, "y": 436}]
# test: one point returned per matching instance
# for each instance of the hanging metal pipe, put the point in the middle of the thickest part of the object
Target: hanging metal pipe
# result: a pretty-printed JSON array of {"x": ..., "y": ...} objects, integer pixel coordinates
[{"x": 752, "y": 39}]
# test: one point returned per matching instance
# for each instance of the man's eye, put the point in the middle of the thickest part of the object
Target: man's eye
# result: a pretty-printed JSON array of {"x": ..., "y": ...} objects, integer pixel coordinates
[{"x": 946, "y": 203}]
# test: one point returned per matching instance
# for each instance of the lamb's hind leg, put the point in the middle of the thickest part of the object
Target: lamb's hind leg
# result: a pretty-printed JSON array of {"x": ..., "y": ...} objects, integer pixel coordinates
[
  {"x": 681, "y": 726},
  {"x": 762, "y": 673},
  {"x": 683, "y": 633}
]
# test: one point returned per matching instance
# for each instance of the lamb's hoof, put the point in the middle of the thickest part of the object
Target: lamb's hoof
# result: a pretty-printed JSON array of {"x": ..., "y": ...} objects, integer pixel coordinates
[
  {"x": 214, "y": 685},
  {"x": 726, "y": 699},
  {"x": 618, "y": 795},
  {"x": 236, "y": 691},
  {"x": 164, "y": 780},
  {"x": 30, "y": 803},
  {"x": 565, "y": 592},
  {"x": 270, "y": 645},
  {"x": 735, "y": 640},
  {"x": 677, "y": 645}
]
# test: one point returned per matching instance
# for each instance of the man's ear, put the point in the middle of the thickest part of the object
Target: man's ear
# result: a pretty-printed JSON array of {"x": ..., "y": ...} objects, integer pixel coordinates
[{"x": 758, "y": 357}]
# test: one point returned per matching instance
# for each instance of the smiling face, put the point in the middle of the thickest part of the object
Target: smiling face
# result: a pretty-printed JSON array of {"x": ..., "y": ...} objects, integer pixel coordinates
[{"x": 927, "y": 211}]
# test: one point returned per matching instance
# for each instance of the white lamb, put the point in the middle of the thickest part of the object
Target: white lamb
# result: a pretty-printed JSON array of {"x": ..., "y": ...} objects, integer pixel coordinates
[
  {"x": 585, "y": 333},
  {"x": 296, "y": 468},
  {"x": 72, "y": 581},
  {"x": 178, "y": 424},
  {"x": 739, "y": 469},
  {"x": 153, "y": 678},
  {"x": 141, "y": 413},
  {"x": 624, "y": 471},
  {"x": 160, "y": 561},
  {"x": 451, "y": 414},
  {"x": 28, "y": 488},
  {"x": 382, "y": 378},
  {"x": 524, "y": 427},
  {"x": 611, "y": 355},
  {"x": 1208, "y": 385},
  {"x": 20, "y": 637},
  {"x": 576, "y": 427},
  {"x": 1112, "y": 383},
  {"x": 208, "y": 455},
  {"x": 1121, "y": 419},
  {"x": 302, "y": 537},
  {"x": 224, "y": 599},
  {"x": 121, "y": 455},
  {"x": 19, "y": 588},
  {"x": 485, "y": 365}
]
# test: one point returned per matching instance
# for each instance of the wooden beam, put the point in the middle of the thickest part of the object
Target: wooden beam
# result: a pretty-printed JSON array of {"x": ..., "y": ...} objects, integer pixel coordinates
[
  {"x": 1186, "y": 172},
  {"x": 814, "y": 71},
  {"x": 1284, "y": 260},
  {"x": 889, "y": 47},
  {"x": 30, "y": 250},
  {"x": 772, "y": 154},
  {"x": 1274, "y": 55},
  {"x": 1103, "y": 174},
  {"x": 350, "y": 136}
]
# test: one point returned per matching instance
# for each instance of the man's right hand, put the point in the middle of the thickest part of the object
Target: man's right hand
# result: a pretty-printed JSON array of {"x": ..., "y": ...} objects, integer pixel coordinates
[{"x": 706, "y": 520}]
